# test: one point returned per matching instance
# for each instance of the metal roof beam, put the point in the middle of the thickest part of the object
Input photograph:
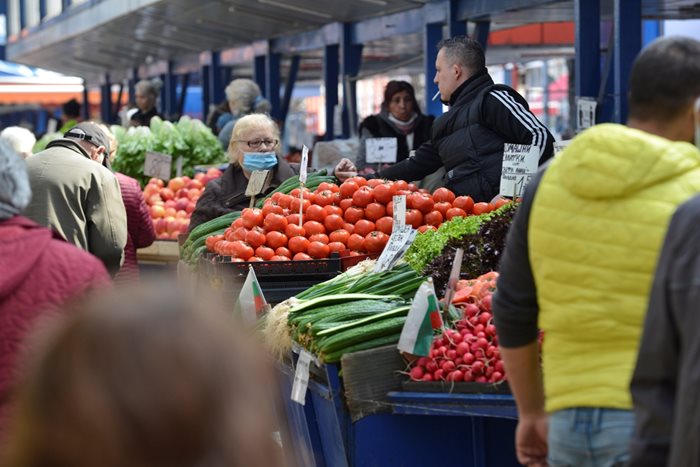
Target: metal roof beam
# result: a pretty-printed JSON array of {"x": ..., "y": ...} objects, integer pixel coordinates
[
  {"x": 483, "y": 9},
  {"x": 397, "y": 24},
  {"x": 311, "y": 40}
]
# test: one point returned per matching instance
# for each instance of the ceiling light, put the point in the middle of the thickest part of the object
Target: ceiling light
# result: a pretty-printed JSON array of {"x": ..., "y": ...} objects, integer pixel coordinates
[{"x": 295, "y": 8}]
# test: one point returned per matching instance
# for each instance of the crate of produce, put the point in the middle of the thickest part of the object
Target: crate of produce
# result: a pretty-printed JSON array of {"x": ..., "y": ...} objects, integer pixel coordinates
[{"x": 456, "y": 387}]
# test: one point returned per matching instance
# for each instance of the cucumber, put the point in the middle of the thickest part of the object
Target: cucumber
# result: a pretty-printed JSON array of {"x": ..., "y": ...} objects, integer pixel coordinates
[
  {"x": 370, "y": 344},
  {"x": 357, "y": 335}
]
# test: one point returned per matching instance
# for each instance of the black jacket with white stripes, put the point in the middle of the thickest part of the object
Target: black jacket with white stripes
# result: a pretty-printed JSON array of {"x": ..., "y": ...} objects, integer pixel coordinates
[{"x": 468, "y": 139}]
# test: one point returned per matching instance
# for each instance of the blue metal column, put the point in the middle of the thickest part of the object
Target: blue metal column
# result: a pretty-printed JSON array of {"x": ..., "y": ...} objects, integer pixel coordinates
[
  {"x": 42, "y": 10},
  {"x": 651, "y": 30},
  {"x": 65, "y": 4},
  {"x": 272, "y": 82},
  {"x": 455, "y": 27},
  {"x": 170, "y": 87},
  {"x": 259, "y": 73},
  {"x": 226, "y": 74},
  {"x": 431, "y": 37},
  {"x": 349, "y": 68},
  {"x": 289, "y": 87},
  {"x": 628, "y": 43},
  {"x": 330, "y": 80},
  {"x": 481, "y": 33},
  {"x": 180, "y": 109},
  {"x": 86, "y": 101},
  {"x": 216, "y": 87},
  {"x": 587, "y": 48},
  {"x": 117, "y": 105},
  {"x": 22, "y": 15},
  {"x": 206, "y": 96},
  {"x": 3, "y": 12},
  {"x": 106, "y": 99}
]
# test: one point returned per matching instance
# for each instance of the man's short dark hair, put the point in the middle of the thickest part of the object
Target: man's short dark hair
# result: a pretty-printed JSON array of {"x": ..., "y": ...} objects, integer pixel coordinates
[
  {"x": 665, "y": 79},
  {"x": 464, "y": 51},
  {"x": 71, "y": 108}
]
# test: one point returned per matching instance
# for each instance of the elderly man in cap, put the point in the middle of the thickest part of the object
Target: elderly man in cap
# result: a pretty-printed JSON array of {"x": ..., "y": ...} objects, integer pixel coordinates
[{"x": 76, "y": 195}]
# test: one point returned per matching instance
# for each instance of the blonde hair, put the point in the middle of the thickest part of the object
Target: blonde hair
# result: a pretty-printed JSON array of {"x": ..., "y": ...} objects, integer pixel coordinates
[
  {"x": 246, "y": 124},
  {"x": 244, "y": 97},
  {"x": 20, "y": 139}
]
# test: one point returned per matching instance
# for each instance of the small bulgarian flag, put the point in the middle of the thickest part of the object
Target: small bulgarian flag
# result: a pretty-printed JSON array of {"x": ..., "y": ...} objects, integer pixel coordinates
[
  {"x": 251, "y": 301},
  {"x": 424, "y": 315}
]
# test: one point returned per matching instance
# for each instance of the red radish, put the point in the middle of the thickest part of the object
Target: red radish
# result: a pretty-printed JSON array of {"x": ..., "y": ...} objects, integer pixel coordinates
[{"x": 417, "y": 373}]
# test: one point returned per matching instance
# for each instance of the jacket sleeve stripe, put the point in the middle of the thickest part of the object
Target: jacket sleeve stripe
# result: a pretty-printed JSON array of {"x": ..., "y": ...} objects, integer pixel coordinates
[{"x": 525, "y": 117}]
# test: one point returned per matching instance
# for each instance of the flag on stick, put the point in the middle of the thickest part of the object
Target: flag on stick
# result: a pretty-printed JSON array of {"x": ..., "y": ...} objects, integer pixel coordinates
[
  {"x": 251, "y": 301},
  {"x": 417, "y": 334}
]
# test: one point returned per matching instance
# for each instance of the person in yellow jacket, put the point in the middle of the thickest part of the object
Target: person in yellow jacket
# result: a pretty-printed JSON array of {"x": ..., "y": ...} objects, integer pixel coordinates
[{"x": 579, "y": 264}]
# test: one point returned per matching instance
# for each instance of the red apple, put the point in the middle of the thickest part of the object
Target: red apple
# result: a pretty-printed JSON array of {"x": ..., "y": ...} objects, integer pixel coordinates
[
  {"x": 199, "y": 176},
  {"x": 167, "y": 193},
  {"x": 161, "y": 225},
  {"x": 194, "y": 194},
  {"x": 195, "y": 184},
  {"x": 176, "y": 183},
  {"x": 157, "y": 181},
  {"x": 190, "y": 207},
  {"x": 157, "y": 211},
  {"x": 181, "y": 204},
  {"x": 181, "y": 214}
]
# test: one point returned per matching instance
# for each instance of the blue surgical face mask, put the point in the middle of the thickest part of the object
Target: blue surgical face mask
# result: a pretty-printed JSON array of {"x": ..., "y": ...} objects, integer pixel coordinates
[{"x": 259, "y": 160}]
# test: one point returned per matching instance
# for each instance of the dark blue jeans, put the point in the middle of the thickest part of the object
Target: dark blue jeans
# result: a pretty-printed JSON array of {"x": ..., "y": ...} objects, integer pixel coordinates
[{"x": 589, "y": 437}]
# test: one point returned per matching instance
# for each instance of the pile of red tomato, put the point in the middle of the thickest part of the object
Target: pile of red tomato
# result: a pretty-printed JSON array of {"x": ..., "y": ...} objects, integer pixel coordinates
[{"x": 354, "y": 218}]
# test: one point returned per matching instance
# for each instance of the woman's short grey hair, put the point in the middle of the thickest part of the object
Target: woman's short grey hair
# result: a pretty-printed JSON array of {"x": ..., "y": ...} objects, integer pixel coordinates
[
  {"x": 149, "y": 87},
  {"x": 244, "y": 97},
  {"x": 15, "y": 192},
  {"x": 20, "y": 139},
  {"x": 246, "y": 124}
]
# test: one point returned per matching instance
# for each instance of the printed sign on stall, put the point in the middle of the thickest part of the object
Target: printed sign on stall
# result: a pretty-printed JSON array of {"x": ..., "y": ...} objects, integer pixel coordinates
[
  {"x": 301, "y": 377},
  {"x": 304, "y": 165},
  {"x": 585, "y": 115},
  {"x": 158, "y": 165},
  {"x": 381, "y": 150},
  {"x": 396, "y": 247},
  {"x": 519, "y": 166}
]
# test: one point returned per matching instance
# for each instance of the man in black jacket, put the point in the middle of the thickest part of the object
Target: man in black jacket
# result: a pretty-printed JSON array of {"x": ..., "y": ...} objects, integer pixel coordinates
[{"x": 468, "y": 139}]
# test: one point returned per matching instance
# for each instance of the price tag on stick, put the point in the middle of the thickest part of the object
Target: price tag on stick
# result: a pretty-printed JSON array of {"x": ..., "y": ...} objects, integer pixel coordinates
[
  {"x": 399, "y": 212},
  {"x": 519, "y": 166},
  {"x": 396, "y": 247},
  {"x": 301, "y": 378},
  {"x": 303, "y": 173},
  {"x": 257, "y": 183},
  {"x": 454, "y": 277}
]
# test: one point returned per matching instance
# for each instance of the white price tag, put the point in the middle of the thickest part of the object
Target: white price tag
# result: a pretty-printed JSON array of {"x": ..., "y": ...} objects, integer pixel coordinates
[
  {"x": 178, "y": 166},
  {"x": 396, "y": 247},
  {"x": 559, "y": 146},
  {"x": 585, "y": 115},
  {"x": 381, "y": 150},
  {"x": 399, "y": 203},
  {"x": 304, "y": 166},
  {"x": 519, "y": 166},
  {"x": 158, "y": 165},
  {"x": 301, "y": 377},
  {"x": 454, "y": 277}
]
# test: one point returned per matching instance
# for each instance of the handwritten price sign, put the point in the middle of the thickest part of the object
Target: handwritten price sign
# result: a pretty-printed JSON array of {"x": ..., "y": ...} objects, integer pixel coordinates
[{"x": 158, "y": 165}]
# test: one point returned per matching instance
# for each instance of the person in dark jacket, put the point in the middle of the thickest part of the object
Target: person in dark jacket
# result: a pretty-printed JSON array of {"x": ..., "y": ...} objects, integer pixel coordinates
[
  {"x": 400, "y": 118},
  {"x": 38, "y": 272},
  {"x": 468, "y": 139},
  {"x": 147, "y": 92},
  {"x": 253, "y": 142}
]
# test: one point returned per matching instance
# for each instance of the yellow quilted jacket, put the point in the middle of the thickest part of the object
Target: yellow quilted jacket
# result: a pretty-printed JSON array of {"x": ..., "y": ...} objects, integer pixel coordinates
[{"x": 596, "y": 228}]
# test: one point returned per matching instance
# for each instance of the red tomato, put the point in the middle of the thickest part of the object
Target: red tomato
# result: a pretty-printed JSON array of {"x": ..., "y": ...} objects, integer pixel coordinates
[
  {"x": 401, "y": 185},
  {"x": 481, "y": 208},
  {"x": 283, "y": 251},
  {"x": 314, "y": 227},
  {"x": 253, "y": 259},
  {"x": 333, "y": 222},
  {"x": 443, "y": 195},
  {"x": 363, "y": 197},
  {"x": 255, "y": 237},
  {"x": 374, "y": 211},
  {"x": 285, "y": 201},
  {"x": 293, "y": 218},
  {"x": 239, "y": 234},
  {"x": 414, "y": 217},
  {"x": 298, "y": 245},
  {"x": 425, "y": 228},
  {"x": 390, "y": 209},
  {"x": 345, "y": 204},
  {"x": 442, "y": 207},
  {"x": 412, "y": 187},
  {"x": 455, "y": 212},
  {"x": 242, "y": 250},
  {"x": 316, "y": 213},
  {"x": 265, "y": 252},
  {"x": 466, "y": 203},
  {"x": 356, "y": 242},
  {"x": 280, "y": 258},
  {"x": 252, "y": 217},
  {"x": 363, "y": 227},
  {"x": 424, "y": 203},
  {"x": 323, "y": 186},
  {"x": 320, "y": 237},
  {"x": 276, "y": 222},
  {"x": 385, "y": 224},
  {"x": 353, "y": 214},
  {"x": 336, "y": 247},
  {"x": 318, "y": 250},
  {"x": 384, "y": 192},
  {"x": 296, "y": 202},
  {"x": 276, "y": 239},
  {"x": 339, "y": 236},
  {"x": 372, "y": 182},
  {"x": 301, "y": 256},
  {"x": 237, "y": 223},
  {"x": 433, "y": 218},
  {"x": 348, "y": 188},
  {"x": 330, "y": 209},
  {"x": 502, "y": 202},
  {"x": 375, "y": 241},
  {"x": 349, "y": 227},
  {"x": 294, "y": 230},
  {"x": 271, "y": 207},
  {"x": 324, "y": 198},
  {"x": 297, "y": 192},
  {"x": 361, "y": 181}
]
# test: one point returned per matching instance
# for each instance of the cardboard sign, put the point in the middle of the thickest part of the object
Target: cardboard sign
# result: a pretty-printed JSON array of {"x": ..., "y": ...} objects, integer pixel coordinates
[
  {"x": 381, "y": 150},
  {"x": 158, "y": 165},
  {"x": 519, "y": 166},
  {"x": 256, "y": 182},
  {"x": 398, "y": 244},
  {"x": 301, "y": 377},
  {"x": 585, "y": 112},
  {"x": 304, "y": 166},
  {"x": 399, "y": 212}
]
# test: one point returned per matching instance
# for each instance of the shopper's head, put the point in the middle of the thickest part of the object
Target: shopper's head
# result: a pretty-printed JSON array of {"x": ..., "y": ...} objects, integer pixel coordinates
[
  {"x": 71, "y": 109},
  {"x": 21, "y": 139},
  {"x": 459, "y": 58},
  {"x": 400, "y": 100},
  {"x": 146, "y": 378},
  {"x": 244, "y": 97},
  {"x": 15, "y": 192},
  {"x": 254, "y": 141},
  {"x": 147, "y": 92},
  {"x": 92, "y": 139},
  {"x": 665, "y": 83}
]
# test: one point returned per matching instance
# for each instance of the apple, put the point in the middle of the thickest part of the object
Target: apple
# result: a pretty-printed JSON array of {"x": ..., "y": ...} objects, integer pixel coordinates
[
  {"x": 153, "y": 200},
  {"x": 194, "y": 194},
  {"x": 190, "y": 207},
  {"x": 157, "y": 181},
  {"x": 182, "y": 224},
  {"x": 157, "y": 211},
  {"x": 161, "y": 225},
  {"x": 171, "y": 223},
  {"x": 214, "y": 172},
  {"x": 176, "y": 183},
  {"x": 195, "y": 184},
  {"x": 181, "y": 204},
  {"x": 181, "y": 193},
  {"x": 167, "y": 193},
  {"x": 199, "y": 176},
  {"x": 181, "y": 214}
]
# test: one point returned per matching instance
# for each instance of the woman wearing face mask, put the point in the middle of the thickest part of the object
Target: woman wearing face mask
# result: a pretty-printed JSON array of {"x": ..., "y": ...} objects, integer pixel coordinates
[
  {"x": 252, "y": 147},
  {"x": 399, "y": 118}
]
